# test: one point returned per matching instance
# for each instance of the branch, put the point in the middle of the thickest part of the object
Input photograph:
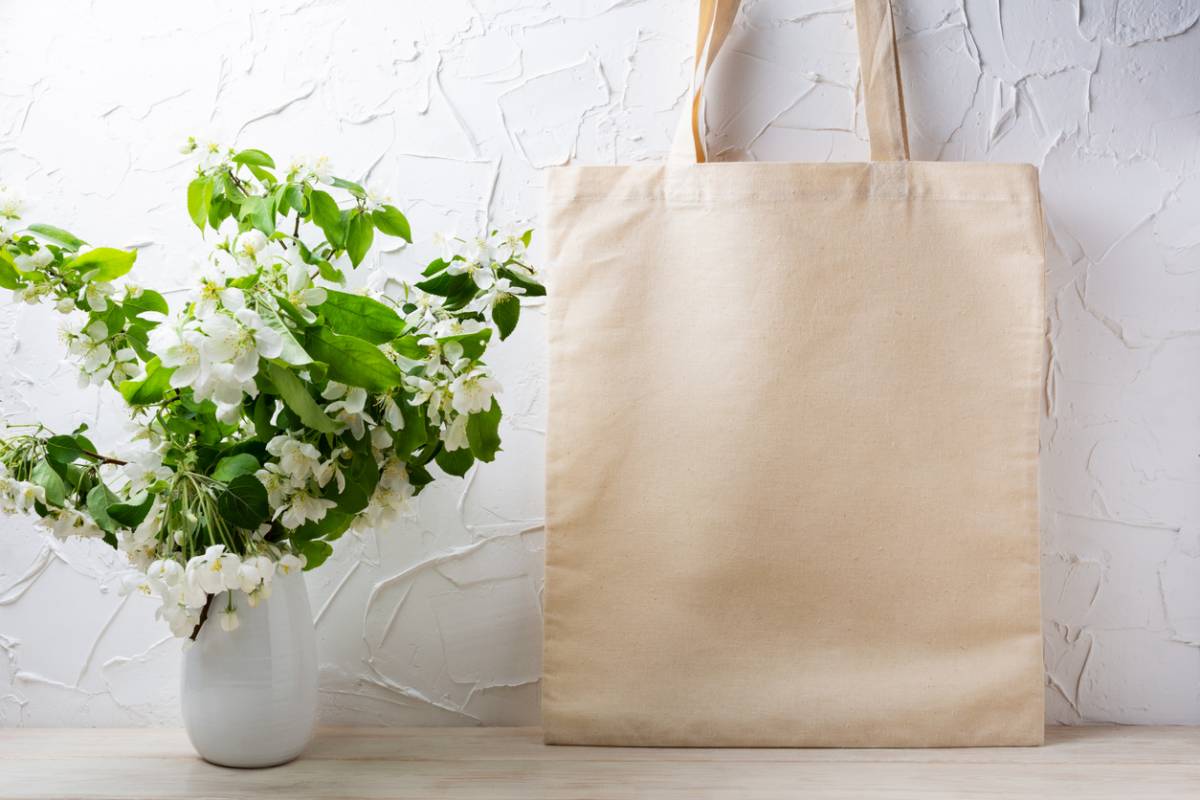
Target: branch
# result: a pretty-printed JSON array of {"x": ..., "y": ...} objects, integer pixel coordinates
[
  {"x": 104, "y": 459},
  {"x": 203, "y": 617}
]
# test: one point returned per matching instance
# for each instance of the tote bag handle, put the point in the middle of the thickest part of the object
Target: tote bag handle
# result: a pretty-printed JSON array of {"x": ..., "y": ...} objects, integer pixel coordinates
[{"x": 879, "y": 63}]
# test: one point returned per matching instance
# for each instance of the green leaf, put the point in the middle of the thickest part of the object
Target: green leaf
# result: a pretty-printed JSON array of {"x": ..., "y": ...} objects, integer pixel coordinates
[
  {"x": 353, "y": 361},
  {"x": 99, "y": 499},
  {"x": 230, "y": 467},
  {"x": 243, "y": 502},
  {"x": 138, "y": 336},
  {"x": 112, "y": 317},
  {"x": 44, "y": 476},
  {"x": 75, "y": 480},
  {"x": 295, "y": 396},
  {"x": 63, "y": 449},
  {"x": 505, "y": 313},
  {"x": 532, "y": 287},
  {"x": 391, "y": 222},
  {"x": 364, "y": 317},
  {"x": 409, "y": 347},
  {"x": 301, "y": 318},
  {"x": 415, "y": 432},
  {"x": 435, "y": 267},
  {"x": 359, "y": 238},
  {"x": 350, "y": 186},
  {"x": 150, "y": 389},
  {"x": 58, "y": 236},
  {"x": 219, "y": 210},
  {"x": 483, "y": 432},
  {"x": 315, "y": 553},
  {"x": 330, "y": 272},
  {"x": 419, "y": 477},
  {"x": 454, "y": 462},
  {"x": 259, "y": 212},
  {"x": 149, "y": 301},
  {"x": 254, "y": 157},
  {"x": 103, "y": 263},
  {"x": 263, "y": 406},
  {"x": 362, "y": 476},
  {"x": 225, "y": 186},
  {"x": 82, "y": 441},
  {"x": 9, "y": 277},
  {"x": 443, "y": 284},
  {"x": 293, "y": 352},
  {"x": 527, "y": 237},
  {"x": 473, "y": 344},
  {"x": 290, "y": 198},
  {"x": 131, "y": 514},
  {"x": 199, "y": 200},
  {"x": 328, "y": 217},
  {"x": 331, "y": 526}
]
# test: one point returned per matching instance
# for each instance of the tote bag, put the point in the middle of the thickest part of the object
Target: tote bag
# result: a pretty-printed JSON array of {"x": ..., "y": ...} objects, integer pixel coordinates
[{"x": 792, "y": 445}]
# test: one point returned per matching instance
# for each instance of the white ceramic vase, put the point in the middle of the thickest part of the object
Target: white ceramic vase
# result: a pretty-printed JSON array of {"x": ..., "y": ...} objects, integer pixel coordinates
[{"x": 250, "y": 695}]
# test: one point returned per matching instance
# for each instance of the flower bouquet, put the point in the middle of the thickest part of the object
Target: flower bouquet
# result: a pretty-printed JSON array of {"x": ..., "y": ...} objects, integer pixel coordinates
[{"x": 274, "y": 410}]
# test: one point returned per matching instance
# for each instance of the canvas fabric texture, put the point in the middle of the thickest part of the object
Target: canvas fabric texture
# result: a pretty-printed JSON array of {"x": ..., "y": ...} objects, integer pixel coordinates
[{"x": 792, "y": 446}]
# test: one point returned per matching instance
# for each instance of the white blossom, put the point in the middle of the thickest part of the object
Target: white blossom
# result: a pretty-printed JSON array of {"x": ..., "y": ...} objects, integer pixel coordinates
[
  {"x": 456, "y": 327},
  {"x": 144, "y": 468},
  {"x": 40, "y": 258},
  {"x": 502, "y": 289},
  {"x": 250, "y": 246},
  {"x": 20, "y": 496},
  {"x": 33, "y": 293},
  {"x": 318, "y": 169},
  {"x": 140, "y": 545},
  {"x": 67, "y": 522},
  {"x": 229, "y": 619},
  {"x": 434, "y": 396},
  {"x": 290, "y": 563},
  {"x": 253, "y": 572},
  {"x": 213, "y": 156},
  {"x": 304, "y": 507},
  {"x": 350, "y": 409},
  {"x": 216, "y": 570},
  {"x": 259, "y": 593},
  {"x": 279, "y": 484},
  {"x": 297, "y": 459},
  {"x": 300, "y": 290},
  {"x": 391, "y": 496},
  {"x": 10, "y": 203},
  {"x": 377, "y": 196},
  {"x": 428, "y": 310},
  {"x": 455, "y": 435},
  {"x": 181, "y": 618},
  {"x": 332, "y": 470},
  {"x": 179, "y": 346},
  {"x": 96, "y": 293},
  {"x": 380, "y": 438},
  {"x": 447, "y": 243},
  {"x": 479, "y": 272},
  {"x": 392, "y": 414},
  {"x": 473, "y": 392},
  {"x": 240, "y": 340}
]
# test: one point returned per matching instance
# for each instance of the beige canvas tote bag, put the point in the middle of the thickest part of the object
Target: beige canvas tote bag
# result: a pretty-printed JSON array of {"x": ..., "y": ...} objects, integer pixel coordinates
[{"x": 792, "y": 445}]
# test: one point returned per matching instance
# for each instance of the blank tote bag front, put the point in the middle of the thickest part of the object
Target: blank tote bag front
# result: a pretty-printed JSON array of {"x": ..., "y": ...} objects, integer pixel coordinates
[{"x": 792, "y": 450}]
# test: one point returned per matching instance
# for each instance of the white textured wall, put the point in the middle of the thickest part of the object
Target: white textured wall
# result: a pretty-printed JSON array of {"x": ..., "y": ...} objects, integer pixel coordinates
[{"x": 456, "y": 106}]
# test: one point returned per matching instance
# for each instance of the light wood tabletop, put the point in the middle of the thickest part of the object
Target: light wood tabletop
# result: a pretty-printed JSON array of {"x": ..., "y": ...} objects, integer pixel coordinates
[{"x": 499, "y": 763}]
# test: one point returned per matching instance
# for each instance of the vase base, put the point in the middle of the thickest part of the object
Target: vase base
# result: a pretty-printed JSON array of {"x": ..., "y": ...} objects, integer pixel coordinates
[{"x": 265, "y": 763}]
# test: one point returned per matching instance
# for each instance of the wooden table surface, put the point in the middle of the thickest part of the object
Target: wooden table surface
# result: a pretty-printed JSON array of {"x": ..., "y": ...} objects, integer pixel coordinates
[{"x": 501, "y": 763}]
